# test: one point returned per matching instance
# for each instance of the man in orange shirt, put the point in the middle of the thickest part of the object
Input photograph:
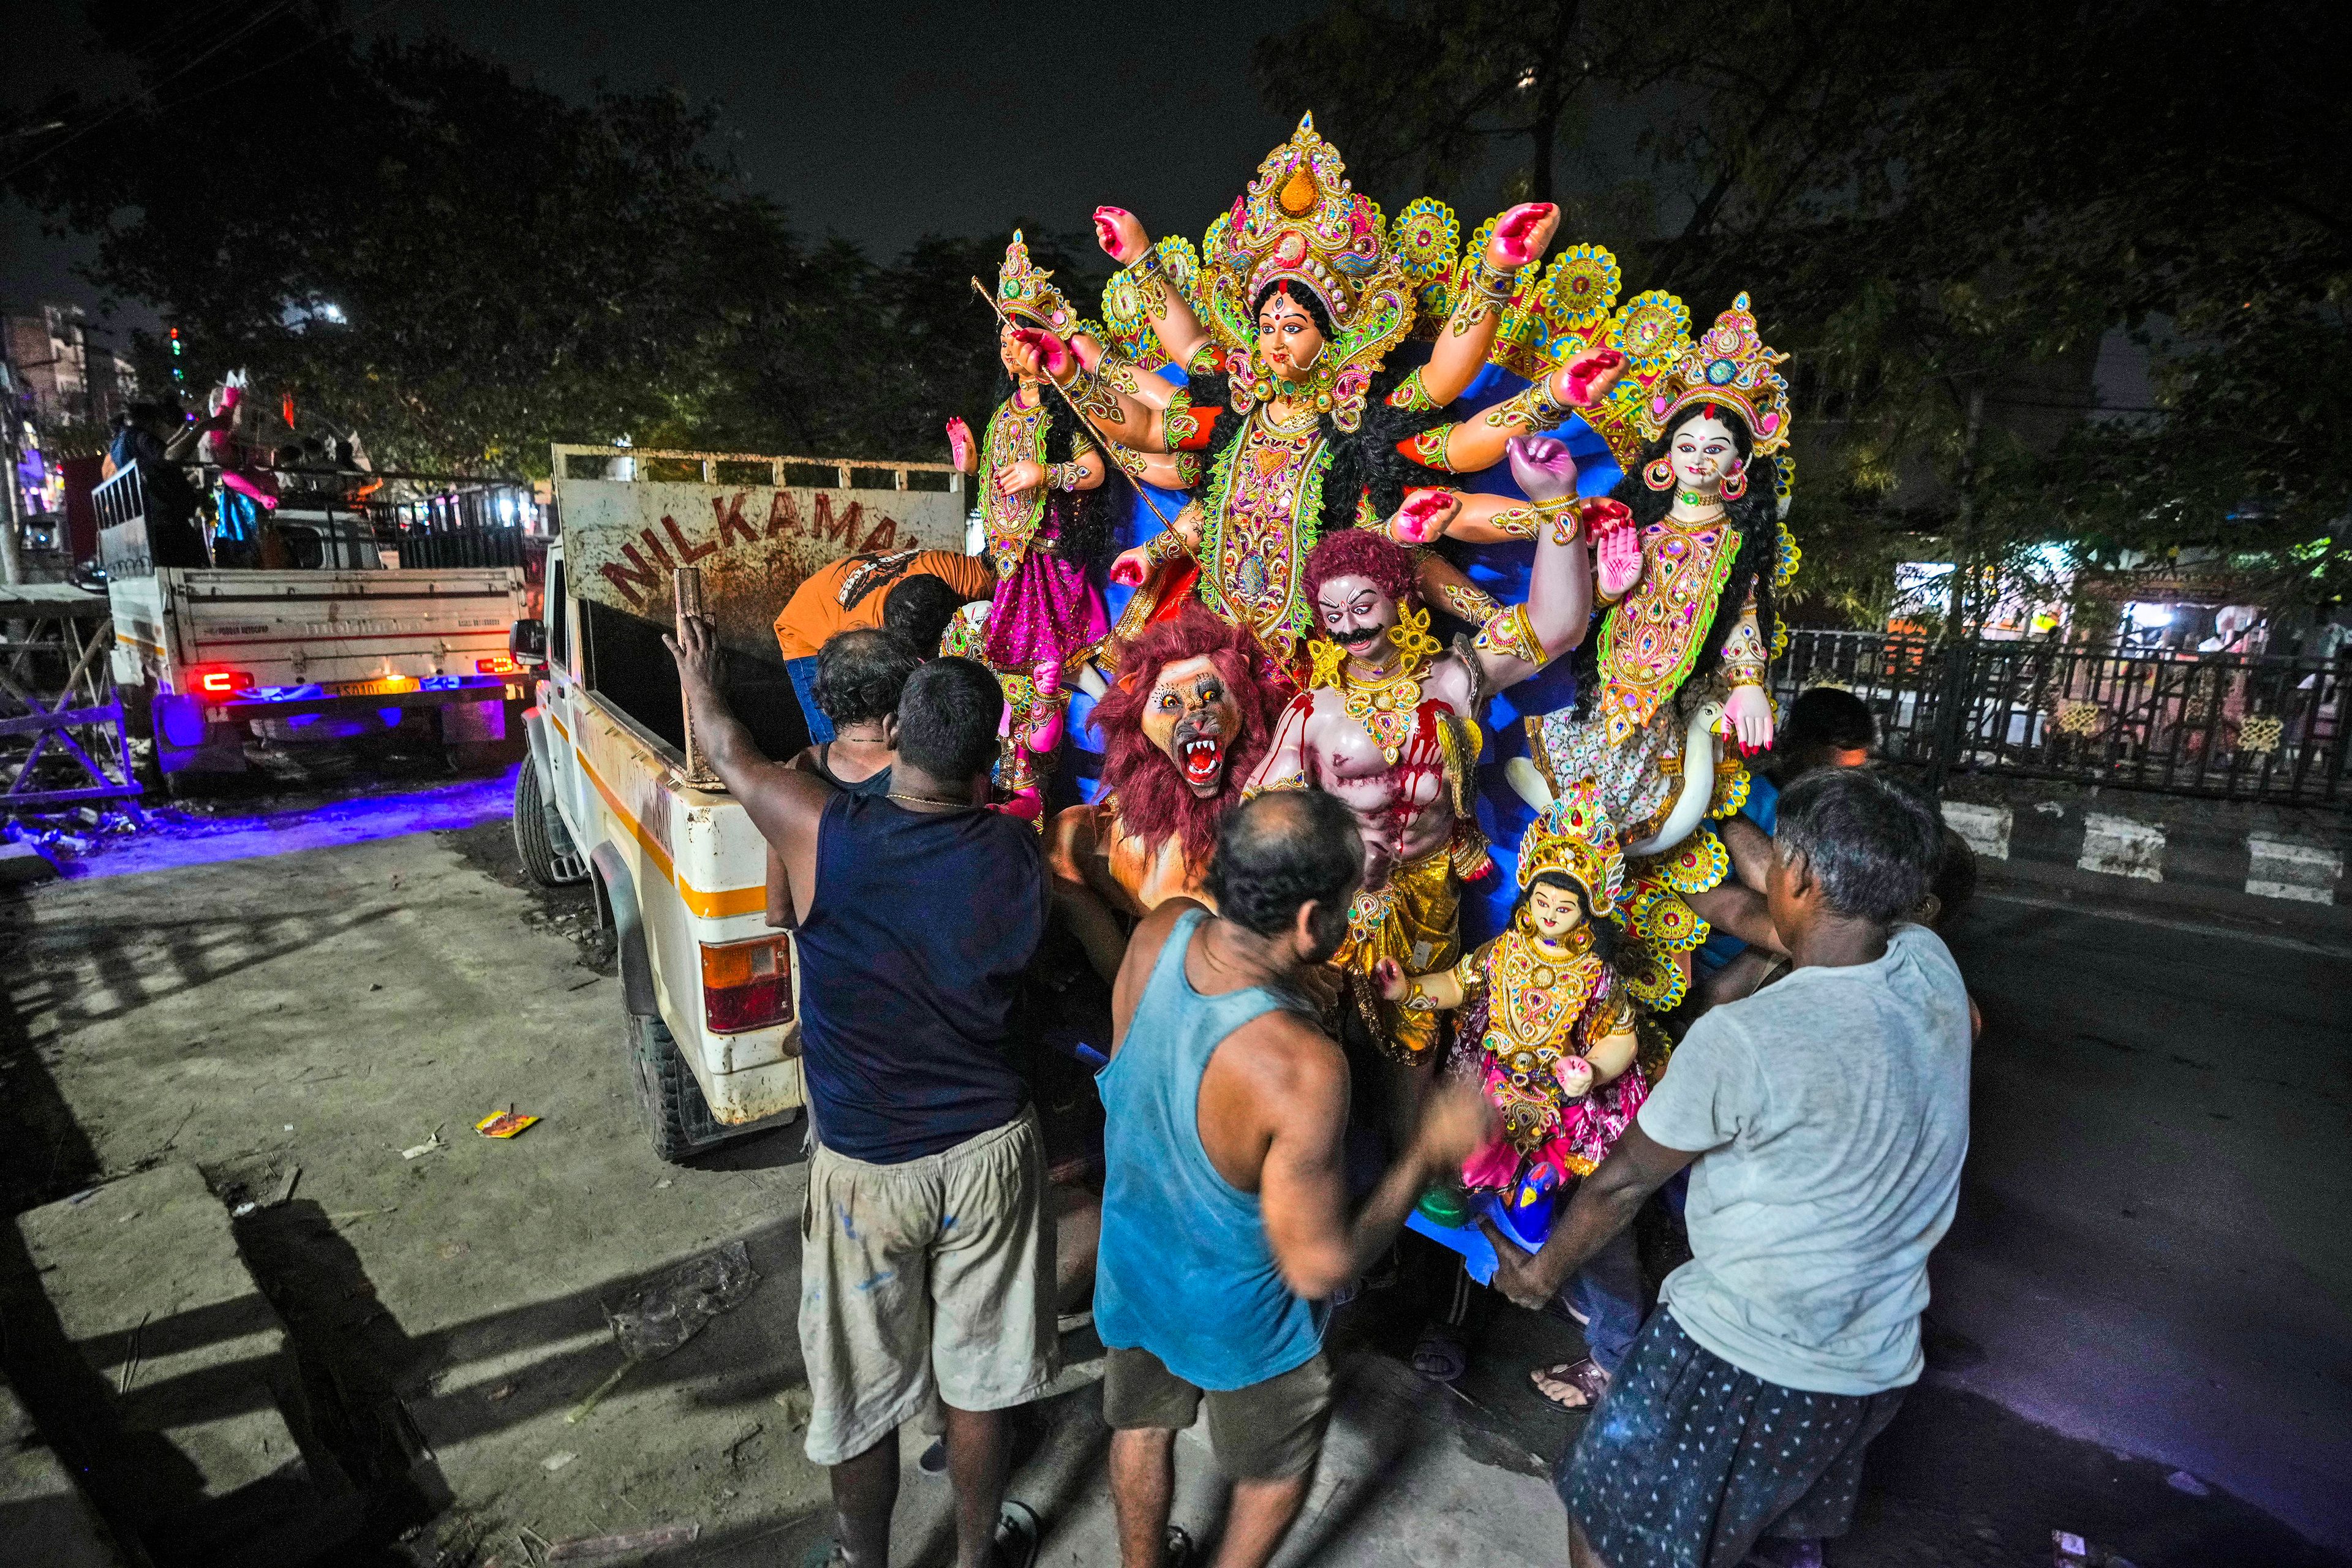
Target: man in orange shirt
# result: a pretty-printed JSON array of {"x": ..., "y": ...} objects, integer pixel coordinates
[{"x": 916, "y": 592}]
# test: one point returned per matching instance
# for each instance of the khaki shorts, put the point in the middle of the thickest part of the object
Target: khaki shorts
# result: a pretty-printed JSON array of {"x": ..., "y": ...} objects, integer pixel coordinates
[
  {"x": 1269, "y": 1431},
  {"x": 933, "y": 1276}
]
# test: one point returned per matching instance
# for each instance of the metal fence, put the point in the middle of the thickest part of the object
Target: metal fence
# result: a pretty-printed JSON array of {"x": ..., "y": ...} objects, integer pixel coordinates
[{"x": 2234, "y": 726}]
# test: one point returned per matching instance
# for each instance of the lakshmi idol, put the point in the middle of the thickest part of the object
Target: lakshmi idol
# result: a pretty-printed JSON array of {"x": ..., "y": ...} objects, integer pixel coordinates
[
  {"x": 1284, "y": 330},
  {"x": 1688, "y": 627}
]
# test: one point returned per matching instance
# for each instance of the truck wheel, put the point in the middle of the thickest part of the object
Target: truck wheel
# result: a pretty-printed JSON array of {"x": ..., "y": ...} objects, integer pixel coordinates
[
  {"x": 545, "y": 844},
  {"x": 669, "y": 1102}
]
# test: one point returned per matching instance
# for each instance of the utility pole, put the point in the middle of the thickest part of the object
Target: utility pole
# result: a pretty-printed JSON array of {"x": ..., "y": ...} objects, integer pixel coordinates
[{"x": 12, "y": 570}]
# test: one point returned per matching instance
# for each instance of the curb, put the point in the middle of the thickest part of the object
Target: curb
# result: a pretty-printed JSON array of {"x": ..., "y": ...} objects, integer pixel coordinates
[{"x": 2260, "y": 863}]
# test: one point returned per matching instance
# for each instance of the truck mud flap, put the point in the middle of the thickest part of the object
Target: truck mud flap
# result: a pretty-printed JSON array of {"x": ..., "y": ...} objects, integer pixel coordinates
[{"x": 616, "y": 893}]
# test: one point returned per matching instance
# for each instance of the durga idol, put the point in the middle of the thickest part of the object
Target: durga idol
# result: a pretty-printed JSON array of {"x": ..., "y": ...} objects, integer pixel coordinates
[{"x": 1283, "y": 330}]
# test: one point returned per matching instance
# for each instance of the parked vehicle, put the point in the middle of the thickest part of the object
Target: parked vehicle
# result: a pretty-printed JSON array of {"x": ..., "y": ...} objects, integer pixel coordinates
[
  {"x": 207, "y": 658},
  {"x": 709, "y": 990}
]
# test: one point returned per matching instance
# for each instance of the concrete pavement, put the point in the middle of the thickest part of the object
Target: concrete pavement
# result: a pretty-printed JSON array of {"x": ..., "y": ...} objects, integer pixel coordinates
[{"x": 2147, "y": 1262}]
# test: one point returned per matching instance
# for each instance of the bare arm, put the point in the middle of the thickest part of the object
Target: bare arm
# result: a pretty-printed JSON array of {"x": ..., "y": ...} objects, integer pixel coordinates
[
  {"x": 1479, "y": 443},
  {"x": 1302, "y": 1091},
  {"x": 1518, "y": 241},
  {"x": 1523, "y": 639},
  {"x": 1079, "y": 896},
  {"x": 1492, "y": 520},
  {"x": 783, "y": 804},
  {"x": 1604, "y": 1203},
  {"x": 1164, "y": 306}
]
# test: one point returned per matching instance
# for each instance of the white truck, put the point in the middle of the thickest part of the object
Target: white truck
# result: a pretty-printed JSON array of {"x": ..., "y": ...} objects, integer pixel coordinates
[
  {"x": 709, "y": 990},
  {"x": 209, "y": 656}
]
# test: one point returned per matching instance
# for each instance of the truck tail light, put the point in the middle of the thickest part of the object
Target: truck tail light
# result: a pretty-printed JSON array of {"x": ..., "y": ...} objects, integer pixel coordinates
[
  {"x": 222, "y": 682},
  {"x": 497, "y": 664},
  {"x": 747, "y": 984}
]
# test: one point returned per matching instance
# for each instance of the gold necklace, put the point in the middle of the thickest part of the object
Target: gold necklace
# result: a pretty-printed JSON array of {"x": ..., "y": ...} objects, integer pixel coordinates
[
  {"x": 1274, "y": 427},
  {"x": 1387, "y": 707}
]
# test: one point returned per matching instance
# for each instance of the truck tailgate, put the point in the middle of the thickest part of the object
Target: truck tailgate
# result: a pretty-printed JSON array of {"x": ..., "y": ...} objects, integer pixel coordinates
[{"x": 335, "y": 628}]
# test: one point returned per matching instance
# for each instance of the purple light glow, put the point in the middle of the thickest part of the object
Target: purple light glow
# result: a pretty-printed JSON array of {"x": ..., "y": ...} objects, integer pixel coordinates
[{"x": 459, "y": 804}]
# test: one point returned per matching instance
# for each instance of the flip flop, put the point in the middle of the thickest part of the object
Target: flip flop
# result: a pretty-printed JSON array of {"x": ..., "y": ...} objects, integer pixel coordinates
[
  {"x": 1016, "y": 1536},
  {"x": 1573, "y": 1386},
  {"x": 1441, "y": 1356}
]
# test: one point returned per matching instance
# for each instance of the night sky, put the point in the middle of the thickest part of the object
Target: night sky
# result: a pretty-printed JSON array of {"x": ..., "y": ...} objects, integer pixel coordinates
[{"x": 876, "y": 122}]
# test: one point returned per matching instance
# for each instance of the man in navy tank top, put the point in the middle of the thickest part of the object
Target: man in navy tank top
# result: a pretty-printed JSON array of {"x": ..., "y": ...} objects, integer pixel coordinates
[
  {"x": 1225, "y": 1223},
  {"x": 927, "y": 1252}
]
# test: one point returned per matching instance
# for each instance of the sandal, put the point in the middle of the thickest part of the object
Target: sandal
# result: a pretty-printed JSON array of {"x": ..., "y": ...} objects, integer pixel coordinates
[
  {"x": 1180, "y": 1549},
  {"x": 1441, "y": 1356},
  {"x": 1572, "y": 1385},
  {"x": 1016, "y": 1536}
]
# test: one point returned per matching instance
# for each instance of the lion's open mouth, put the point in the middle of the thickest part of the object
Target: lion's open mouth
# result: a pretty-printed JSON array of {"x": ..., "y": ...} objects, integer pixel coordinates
[{"x": 1203, "y": 758}]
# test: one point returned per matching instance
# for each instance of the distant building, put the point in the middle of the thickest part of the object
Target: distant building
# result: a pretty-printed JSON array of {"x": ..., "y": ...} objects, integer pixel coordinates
[{"x": 60, "y": 375}]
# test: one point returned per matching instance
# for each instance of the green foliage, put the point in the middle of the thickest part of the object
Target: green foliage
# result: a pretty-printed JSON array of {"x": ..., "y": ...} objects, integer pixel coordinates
[
  {"x": 1941, "y": 209},
  {"x": 510, "y": 268}
]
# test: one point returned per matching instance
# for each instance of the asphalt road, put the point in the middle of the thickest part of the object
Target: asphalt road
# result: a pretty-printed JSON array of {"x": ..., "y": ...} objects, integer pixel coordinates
[{"x": 2140, "y": 1329}]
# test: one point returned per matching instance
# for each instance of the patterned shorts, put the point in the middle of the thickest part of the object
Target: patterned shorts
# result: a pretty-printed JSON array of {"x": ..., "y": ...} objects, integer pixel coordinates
[{"x": 1688, "y": 1461}]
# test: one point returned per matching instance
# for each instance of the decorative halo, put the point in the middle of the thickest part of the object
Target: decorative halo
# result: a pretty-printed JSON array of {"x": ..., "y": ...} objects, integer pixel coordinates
[
  {"x": 1427, "y": 238},
  {"x": 1582, "y": 286},
  {"x": 1650, "y": 331}
]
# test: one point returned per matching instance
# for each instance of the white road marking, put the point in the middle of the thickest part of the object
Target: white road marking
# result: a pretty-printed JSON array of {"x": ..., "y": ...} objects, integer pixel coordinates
[{"x": 2135, "y": 917}]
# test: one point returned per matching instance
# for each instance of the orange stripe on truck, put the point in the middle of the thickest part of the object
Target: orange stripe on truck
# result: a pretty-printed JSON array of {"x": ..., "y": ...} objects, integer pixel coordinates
[{"x": 709, "y": 905}]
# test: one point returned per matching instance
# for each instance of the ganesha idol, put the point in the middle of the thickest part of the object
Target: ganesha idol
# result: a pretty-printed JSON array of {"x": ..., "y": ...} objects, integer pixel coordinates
[{"x": 1182, "y": 726}]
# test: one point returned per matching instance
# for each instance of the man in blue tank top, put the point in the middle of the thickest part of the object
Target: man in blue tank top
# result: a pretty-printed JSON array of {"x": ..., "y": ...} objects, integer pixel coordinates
[
  {"x": 1224, "y": 1218},
  {"x": 927, "y": 1252}
]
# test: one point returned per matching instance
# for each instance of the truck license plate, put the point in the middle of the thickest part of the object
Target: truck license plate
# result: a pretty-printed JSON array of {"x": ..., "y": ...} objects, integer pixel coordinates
[{"x": 392, "y": 686}]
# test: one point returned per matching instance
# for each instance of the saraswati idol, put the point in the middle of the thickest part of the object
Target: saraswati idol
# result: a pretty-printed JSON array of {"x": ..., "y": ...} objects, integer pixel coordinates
[{"x": 1283, "y": 324}]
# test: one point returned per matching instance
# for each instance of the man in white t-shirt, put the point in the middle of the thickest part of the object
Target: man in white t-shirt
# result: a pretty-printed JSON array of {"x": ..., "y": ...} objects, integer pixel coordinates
[{"x": 1828, "y": 1115}]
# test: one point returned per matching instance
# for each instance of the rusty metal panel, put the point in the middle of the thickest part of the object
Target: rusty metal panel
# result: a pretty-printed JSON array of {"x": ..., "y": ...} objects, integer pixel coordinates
[{"x": 754, "y": 544}]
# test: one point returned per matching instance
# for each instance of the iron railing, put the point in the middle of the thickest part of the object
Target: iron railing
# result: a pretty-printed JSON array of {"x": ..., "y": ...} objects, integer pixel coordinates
[{"x": 2232, "y": 726}]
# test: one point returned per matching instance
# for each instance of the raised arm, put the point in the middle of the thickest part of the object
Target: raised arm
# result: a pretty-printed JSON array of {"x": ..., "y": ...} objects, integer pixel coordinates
[
  {"x": 1525, "y": 637},
  {"x": 1519, "y": 240},
  {"x": 1172, "y": 322},
  {"x": 784, "y": 805}
]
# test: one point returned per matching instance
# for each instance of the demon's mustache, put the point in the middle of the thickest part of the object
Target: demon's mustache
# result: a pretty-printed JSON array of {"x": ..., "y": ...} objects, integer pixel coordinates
[{"x": 1361, "y": 636}]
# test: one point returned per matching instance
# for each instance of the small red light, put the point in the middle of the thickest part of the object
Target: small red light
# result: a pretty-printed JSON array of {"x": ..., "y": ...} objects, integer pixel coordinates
[
  {"x": 740, "y": 1008},
  {"x": 497, "y": 664}
]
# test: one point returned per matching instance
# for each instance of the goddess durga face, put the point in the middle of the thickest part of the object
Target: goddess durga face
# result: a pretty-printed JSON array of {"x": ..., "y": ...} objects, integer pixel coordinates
[
  {"x": 1553, "y": 911},
  {"x": 1704, "y": 450},
  {"x": 1193, "y": 718},
  {"x": 1288, "y": 341}
]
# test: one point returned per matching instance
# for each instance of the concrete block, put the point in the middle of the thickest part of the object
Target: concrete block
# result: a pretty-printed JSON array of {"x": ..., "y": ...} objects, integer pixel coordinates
[
  {"x": 2120, "y": 846},
  {"x": 148, "y": 1289},
  {"x": 43, "y": 1515},
  {"x": 21, "y": 864},
  {"x": 2285, "y": 868},
  {"x": 1986, "y": 827}
]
